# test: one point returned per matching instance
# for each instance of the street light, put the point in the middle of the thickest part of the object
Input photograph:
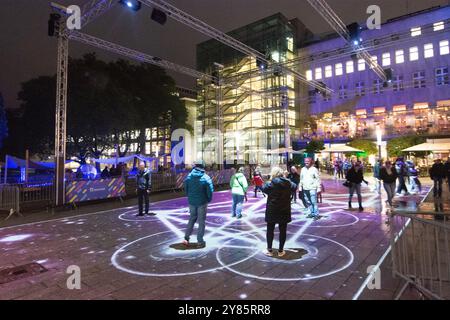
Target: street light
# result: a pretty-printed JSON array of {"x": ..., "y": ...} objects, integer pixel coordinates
[{"x": 379, "y": 140}]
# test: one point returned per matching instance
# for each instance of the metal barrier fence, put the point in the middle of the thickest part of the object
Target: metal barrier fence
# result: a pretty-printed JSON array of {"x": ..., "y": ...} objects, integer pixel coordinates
[
  {"x": 9, "y": 199},
  {"x": 420, "y": 252}
]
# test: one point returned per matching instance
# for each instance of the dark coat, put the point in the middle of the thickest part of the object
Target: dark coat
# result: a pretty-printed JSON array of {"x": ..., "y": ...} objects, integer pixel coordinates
[
  {"x": 385, "y": 177},
  {"x": 355, "y": 176},
  {"x": 278, "y": 209},
  {"x": 437, "y": 171},
  {"x": 294, "y": 177}
]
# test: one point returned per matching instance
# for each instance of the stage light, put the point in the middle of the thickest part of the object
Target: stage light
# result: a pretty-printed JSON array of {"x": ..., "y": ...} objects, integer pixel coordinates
[
  {"x": 159, "y": 16},
  {"x": 354, "y": 31},
  {"x": 53, "y": 24},
  {"x": 131, "y": 4}
]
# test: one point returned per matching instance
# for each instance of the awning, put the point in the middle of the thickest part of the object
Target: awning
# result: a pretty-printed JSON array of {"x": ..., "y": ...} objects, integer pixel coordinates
[
  {"x": 428, "y": 146},
  {"x": 284, "y": 150},
  {"x": 340, "y": 149}
]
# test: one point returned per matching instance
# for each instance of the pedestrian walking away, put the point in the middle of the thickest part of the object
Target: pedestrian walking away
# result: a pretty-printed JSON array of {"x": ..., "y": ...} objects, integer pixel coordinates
[{"x": 239, "y": 186}]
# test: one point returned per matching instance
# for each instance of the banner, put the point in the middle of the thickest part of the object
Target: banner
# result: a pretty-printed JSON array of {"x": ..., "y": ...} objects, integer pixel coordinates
[{"x": 87, "y": 190}]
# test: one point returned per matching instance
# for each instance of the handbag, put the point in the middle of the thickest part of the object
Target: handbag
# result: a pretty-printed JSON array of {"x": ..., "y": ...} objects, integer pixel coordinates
[
  {"x": 245, "y": 193},
  {"x": 347, "y": 184}
]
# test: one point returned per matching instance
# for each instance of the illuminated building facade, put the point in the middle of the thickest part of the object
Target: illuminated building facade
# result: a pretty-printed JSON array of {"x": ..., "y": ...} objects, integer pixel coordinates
[
  {"x": 254, "y": 107},
  {"x": 417, "y": 101}
]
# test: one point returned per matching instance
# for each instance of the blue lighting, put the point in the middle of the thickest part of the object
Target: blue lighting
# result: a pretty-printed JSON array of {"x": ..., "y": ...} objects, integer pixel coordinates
[
  {"x": 356, "y": 42},
  {"x": 129, "y": 4}
]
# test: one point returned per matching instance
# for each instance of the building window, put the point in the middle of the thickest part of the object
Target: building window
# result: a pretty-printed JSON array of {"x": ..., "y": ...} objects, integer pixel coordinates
[
  {"x": 339, "y": 69},
  {"x": 350, "y": 67},
  {"x": 419, "y": 79},
  {"x": 442, "y": 76},
  {"x": 444, "y": 47},
  {"x": 416, "y": 32},
  {"x": 428, "y": 50},
  {"x": 413, "y": 54},
  {"x": 360, "y": 89},
  {"x": 374, "y": 62},
  {"x": 386, "y": 59},
  {"x": 377, "y": 86},
  {"x": 318, "y": 73},
  {"x": 438, "y": 26},
  {"x": 398, "y": 83},
  {"x": 343, "y": 92},
  {"x": 312, "y": 96},
  {"x": 399, "y": 56},
  {"x": 361, "y": 65},
  {"x": 328, "y": 71},
  {"x": 309, "y": 75}
]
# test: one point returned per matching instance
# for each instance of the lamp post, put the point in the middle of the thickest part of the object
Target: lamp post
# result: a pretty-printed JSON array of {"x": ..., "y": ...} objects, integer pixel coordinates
[{"x": 379, "y": 140}]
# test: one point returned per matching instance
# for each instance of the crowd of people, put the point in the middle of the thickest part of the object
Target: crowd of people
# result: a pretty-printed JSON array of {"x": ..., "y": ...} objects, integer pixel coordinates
[{"x": 284, "y": 187}]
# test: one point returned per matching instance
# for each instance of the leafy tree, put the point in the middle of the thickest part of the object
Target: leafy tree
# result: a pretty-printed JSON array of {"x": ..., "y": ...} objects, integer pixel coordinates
[
  {"x": 315, "y": 146},
  {"x": 369, "y": 147},
  {"x": 396, "y": 145}
]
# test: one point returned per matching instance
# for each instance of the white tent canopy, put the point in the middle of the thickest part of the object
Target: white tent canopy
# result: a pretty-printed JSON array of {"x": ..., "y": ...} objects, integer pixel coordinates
[
  {"x": 340, "y": 149},
  {"x": 283, "y": 150},
  {"x": 430, "y": 146}
]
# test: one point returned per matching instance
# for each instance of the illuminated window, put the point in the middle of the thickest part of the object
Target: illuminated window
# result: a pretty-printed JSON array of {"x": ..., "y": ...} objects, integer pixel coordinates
[
  {"x": 413, "y": 54},
  {"x": 361, "y": 65},
  {"x": 444, "y": 47},
  {"x": 379, "y": 110},
  {"x": 386, "y": 59},
  {"x": 399, "y": 108},
  {"x": 442, "y": 76},
  {"x": 399, "y": 56},
  {"x": 428, "y": 50},
  {"x": 374, "y": 62},
  {"x": 438, "y": 26},
  {"x": 416, "y": 32},
  {"x": 318, "y": 73},
  {"x": 339, "y": 69},
  {"x": 350, "y": 67},
  {"x": 421, "y": 106},
  {"x": 361, "y": 112},
  {"x": 419, "y": 79},
  {"x": 290, "y": 43},
  {"x": 328, "y": 71},
  {"x": 309, "y": 75}
]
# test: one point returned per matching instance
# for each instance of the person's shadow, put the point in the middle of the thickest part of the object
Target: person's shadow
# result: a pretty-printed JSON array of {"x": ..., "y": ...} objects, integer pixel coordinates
[{"x": 182, "y": 247}]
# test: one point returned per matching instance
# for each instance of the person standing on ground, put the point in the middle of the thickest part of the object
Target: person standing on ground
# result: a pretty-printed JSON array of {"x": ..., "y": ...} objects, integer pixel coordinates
[
  {"x": 310, "y": 185},
  {"x": 294, "y": 177},
  {"x": 144, "y": 185},
  {"x": 402, "y": 173},
  {"x": 278, "y": 208},
  {"x": 437, "y": 174},
  {"x": 355, "y": 176},
  {"x": 199, "y": 189},
  {"x": 447, "y": 171},
  {"x": 239, "y": 186},
  {"x": 388, "y": 175},
  {"x": 414, "y": 182},
  {"x": 376, "y": 175},
  {"x": 258, "y": 182}
]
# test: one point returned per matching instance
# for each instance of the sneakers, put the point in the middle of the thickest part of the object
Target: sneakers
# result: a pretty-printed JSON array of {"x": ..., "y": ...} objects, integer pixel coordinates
[
  {"x": 239, "y": 217},
  {"x": 268, "y": 252},
  {"x": 201, "y": 245},
  {"x": 151, "y": 214},
  {"x": 281, "y": 253},
  {"x": 139, "y": 215}
]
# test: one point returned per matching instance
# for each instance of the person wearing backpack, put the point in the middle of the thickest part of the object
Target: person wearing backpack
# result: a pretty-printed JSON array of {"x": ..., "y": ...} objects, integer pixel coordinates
[
  {"x": 239, "y": 186},
  {"x": 258, "y": 182}
]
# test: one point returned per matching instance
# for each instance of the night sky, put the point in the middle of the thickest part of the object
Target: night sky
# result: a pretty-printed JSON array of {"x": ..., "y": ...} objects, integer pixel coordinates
[{"x": 26, "y": 51}]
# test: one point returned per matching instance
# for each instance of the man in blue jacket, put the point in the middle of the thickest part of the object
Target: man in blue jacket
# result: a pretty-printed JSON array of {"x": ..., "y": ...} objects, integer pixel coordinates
[{"x": 199, "y": 190}]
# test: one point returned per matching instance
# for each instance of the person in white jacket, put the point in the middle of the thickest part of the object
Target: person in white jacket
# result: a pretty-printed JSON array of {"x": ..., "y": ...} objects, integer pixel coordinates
[{"x": 310, "y": 185}]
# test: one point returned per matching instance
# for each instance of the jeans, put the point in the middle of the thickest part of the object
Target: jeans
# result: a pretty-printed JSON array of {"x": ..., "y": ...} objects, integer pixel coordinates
[
  {"x": 437, "y": 190},
  {"x": 390, "y": 190},
  {"x": 256, "y": 191},
  {"x": 197, "y": 214},
  {"x": 238, "y": 202},
  {"x": 143, "y": 198},
  {"x": 301, "y": 195},
  {"x": 294, "y": 195},
  {"x": 310, "y": 197},
  {"x": 401, "y": 185},
  {"x": 271, "y": 232},
  {"x": 377, "y": 186},
  {"x": 415, "y": 184},
  {"x": 355, "y": 187}
]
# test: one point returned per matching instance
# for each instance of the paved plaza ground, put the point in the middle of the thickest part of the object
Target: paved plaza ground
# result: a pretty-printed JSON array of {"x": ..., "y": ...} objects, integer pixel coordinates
[{"x": 126, "y": 257}]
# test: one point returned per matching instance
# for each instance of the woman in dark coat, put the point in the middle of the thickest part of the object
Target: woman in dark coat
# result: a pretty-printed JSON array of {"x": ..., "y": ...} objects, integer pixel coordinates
[
  {"x": 355, "y": 176},
  {"x": 278, "y": 209}
]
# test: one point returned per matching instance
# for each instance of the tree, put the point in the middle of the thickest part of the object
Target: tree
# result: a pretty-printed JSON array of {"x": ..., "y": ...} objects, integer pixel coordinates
[
  {"x": 366, "y": 146},
  {"x": 396, "y": 145},
  {"x": 3, "y": 122},
  {"x": 315, "y": 146}
]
